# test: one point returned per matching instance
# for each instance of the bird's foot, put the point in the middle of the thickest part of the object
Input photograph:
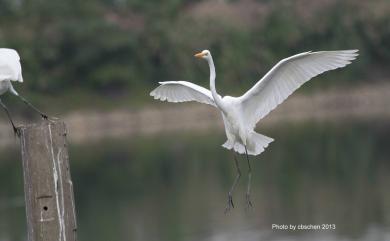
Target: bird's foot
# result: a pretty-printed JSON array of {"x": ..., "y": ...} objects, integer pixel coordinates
[
  {"x": 44, "y": 116},
  {"x": 49, "y": 118},
  {"x": 16, "y": 131},
  {"x": 229, "y": 204},
  {"x": 248, "y": 202}
]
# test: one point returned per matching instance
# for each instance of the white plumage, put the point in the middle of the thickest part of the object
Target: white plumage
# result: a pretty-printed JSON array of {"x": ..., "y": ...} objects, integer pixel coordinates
[
  {"x": 182, "y": 91},
  {"x": 240, "y": 114},
  {"x": 10, "y": 68}
]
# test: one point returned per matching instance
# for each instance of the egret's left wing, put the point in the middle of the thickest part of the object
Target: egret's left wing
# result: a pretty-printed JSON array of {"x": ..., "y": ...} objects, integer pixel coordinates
[
  {"x": 10, "y": 68},
  {"x": 182, "y": 91},
  {"x": 286, "y": 77}
]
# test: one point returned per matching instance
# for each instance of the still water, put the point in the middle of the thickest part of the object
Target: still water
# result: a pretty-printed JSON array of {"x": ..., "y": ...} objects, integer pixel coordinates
[{"x": 174, "y": 187}]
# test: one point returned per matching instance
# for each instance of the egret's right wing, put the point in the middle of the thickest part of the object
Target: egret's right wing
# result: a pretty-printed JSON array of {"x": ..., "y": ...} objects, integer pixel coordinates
[
  {"x": 10, "y": 68},
  {"x": 182, "y": 91}
]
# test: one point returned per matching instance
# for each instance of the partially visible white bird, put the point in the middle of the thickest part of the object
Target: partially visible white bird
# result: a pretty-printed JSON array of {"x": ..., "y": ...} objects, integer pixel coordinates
[
  {"x": 240, "y": 114},
  {"x": 11, "y": 70}
]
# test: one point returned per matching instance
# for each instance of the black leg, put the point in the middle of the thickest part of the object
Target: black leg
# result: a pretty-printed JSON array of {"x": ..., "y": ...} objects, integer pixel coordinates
[
  {"x": 44, "y": 116},
  {"x": 230, "y": 199},
  {"x": 248, "y": 191},
  {"x": 16, "y": 131}
]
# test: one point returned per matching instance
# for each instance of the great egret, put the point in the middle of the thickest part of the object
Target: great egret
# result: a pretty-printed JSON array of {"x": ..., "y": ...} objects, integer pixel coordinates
[
  {"x": 240, "y": 114},
  {"x": 11, "y": 70}
]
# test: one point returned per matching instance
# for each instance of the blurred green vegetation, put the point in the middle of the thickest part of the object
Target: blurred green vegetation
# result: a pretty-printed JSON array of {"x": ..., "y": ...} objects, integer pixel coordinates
[{"x": 122, "y": 48}]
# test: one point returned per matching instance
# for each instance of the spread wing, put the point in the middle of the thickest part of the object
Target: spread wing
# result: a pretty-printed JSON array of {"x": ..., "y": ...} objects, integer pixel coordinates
[
  {"x": 182, "y": 91},
  {"x": 10, "y": 68},
  {"x": 286, "y": 77}
]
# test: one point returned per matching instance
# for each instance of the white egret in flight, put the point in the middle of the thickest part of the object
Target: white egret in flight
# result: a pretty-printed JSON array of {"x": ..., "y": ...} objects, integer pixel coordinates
[
  {"x": 240, "y": 114},
  {"x": 11, "y": 70}
]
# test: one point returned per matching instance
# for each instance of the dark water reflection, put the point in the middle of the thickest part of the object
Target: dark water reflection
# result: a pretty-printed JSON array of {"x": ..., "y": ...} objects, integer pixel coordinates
[{"x": 174, "y": 187}]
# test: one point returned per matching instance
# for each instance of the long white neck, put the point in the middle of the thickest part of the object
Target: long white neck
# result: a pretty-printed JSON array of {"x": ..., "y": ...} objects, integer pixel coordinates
[{"x": 217, "y": 98}]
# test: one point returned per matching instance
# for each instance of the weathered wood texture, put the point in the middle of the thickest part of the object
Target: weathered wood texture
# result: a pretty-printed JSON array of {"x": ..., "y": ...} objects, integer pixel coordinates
[{"x": 48, "y": 187}]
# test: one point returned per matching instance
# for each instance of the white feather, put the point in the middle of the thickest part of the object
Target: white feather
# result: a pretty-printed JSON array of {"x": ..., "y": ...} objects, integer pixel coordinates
[
  {"x": 182, "y": 91},
  {"x": 286, "y": 77},
  {"x": 10, "y": 68}
]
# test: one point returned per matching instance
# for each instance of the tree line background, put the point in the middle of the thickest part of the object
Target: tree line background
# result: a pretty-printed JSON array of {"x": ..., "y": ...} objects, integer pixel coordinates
[{"x": 122, "y": 48}]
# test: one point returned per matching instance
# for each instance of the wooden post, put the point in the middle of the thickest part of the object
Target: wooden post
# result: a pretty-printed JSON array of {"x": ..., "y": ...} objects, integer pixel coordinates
[{"x": 48, "y": 187}]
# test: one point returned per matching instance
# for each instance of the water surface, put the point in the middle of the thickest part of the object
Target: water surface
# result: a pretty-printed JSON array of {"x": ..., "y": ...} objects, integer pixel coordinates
[{"x": 174, "y": 187}]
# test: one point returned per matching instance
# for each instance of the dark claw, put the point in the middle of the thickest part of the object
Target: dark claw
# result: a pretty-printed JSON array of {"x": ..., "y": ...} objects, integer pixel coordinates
[
  {"x": 230, "y": 204},
  {"x": 248, "y": 202},
  {"x": 16, "y": 131}
]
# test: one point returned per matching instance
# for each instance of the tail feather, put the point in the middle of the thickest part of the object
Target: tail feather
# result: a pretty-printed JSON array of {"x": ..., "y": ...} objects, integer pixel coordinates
[{"x": 256, "y": 144}]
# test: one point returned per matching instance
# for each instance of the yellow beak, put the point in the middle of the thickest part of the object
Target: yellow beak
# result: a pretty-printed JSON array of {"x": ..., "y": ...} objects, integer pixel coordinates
[{"x": 199, "y": 55}]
